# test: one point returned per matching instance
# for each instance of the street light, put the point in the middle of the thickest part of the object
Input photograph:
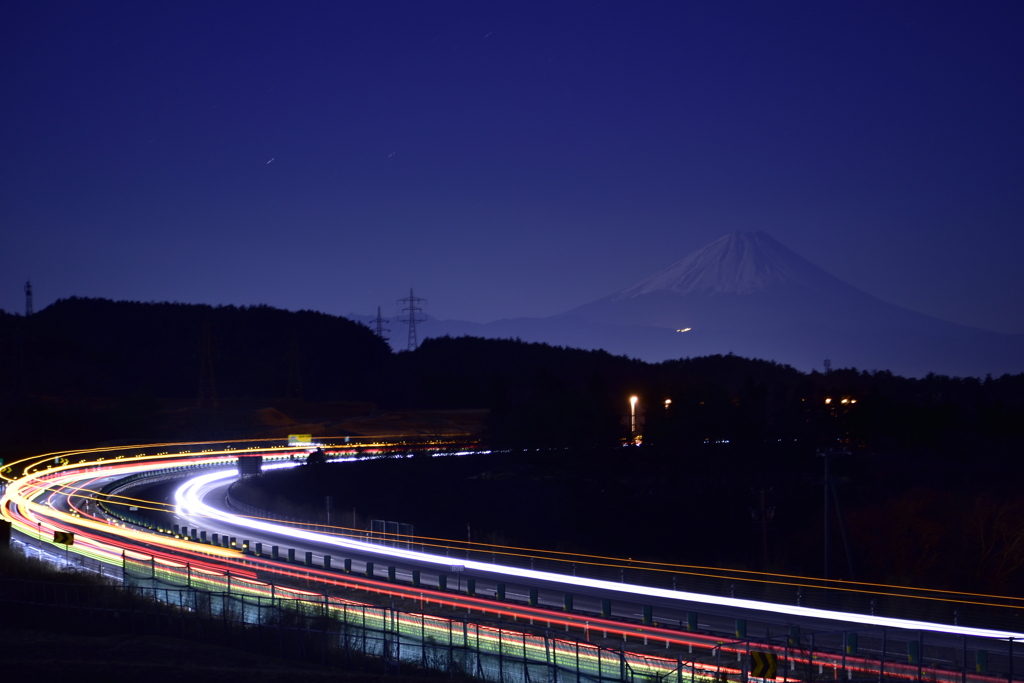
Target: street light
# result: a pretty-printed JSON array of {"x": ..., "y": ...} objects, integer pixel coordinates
[{"x": 632, "y": 414}]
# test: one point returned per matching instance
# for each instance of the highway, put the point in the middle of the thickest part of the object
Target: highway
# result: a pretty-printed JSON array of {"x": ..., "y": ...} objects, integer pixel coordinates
[{"x": 55, "y": 495}]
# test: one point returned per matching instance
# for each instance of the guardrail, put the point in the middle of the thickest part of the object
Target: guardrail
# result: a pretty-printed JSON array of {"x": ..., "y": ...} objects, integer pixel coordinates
[
  {"x": 948, "y": 607},
  {"x": 488, "y": 651}
]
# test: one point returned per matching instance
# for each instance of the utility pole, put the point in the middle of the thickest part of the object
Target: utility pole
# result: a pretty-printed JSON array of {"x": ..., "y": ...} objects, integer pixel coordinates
[
  {"x": 29, "y": 309},
  {"x": 763, "y": 514},
  {"x": 293, "y": 388},
  {"x": 207, "y": 387},
  {"x": 827, "y": 455},
  {"x": 829, "y": 487},
  {"x": 410, "y": 306}
]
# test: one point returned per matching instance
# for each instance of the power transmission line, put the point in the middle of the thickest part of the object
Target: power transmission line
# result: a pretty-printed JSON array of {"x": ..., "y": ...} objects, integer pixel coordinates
[
  {"x": 379, "y": 323},
  {"x": 411, "y": 319}
]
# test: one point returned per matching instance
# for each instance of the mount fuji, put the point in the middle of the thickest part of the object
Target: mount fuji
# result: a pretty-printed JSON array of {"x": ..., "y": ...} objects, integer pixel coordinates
[{"x": 748, "y": 294}]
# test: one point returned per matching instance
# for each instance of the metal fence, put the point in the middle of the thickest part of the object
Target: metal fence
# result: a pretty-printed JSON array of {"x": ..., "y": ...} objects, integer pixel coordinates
[
  {"x": 337, "y": 631},
  {"x": 163, "y": 597}
]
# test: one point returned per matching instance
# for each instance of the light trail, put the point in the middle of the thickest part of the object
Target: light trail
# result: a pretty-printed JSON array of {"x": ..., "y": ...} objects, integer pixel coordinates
[
  {"x": 31, "y": 501},
  {"x": 189, "y": 499}
]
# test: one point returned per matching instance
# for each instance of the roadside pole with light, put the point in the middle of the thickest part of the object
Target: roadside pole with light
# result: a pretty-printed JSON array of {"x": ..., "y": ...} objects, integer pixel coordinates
[{"x": 632, "y": 415}]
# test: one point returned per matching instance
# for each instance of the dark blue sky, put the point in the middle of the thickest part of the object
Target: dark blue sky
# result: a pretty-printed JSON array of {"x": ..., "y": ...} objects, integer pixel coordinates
[{"x": 507, "y": 159}]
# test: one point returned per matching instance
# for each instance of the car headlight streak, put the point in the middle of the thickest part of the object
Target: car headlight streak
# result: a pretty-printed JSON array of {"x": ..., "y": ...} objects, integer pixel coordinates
[
  {"x": 189, "y": 500},
  {"x": 23, "y": 503}
]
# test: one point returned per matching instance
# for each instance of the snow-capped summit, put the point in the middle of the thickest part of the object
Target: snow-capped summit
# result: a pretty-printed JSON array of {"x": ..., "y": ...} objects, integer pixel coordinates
[
  {"x": 747, "y": 293},
  {"x": 744, "y": 280},
  {"x": 738, "y": 263}
]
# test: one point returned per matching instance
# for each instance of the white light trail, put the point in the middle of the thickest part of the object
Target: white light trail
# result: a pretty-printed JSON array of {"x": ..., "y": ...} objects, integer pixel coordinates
[{"x": 189, "y": 500}]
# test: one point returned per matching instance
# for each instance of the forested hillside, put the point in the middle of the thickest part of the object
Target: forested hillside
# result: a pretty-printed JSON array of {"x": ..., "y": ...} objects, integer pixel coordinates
[{"x": 928, "y": 470}]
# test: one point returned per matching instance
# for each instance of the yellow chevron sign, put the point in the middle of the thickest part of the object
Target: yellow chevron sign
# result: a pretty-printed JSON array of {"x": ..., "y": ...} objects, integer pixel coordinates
[
  {"x": 64, "y": 537},
  {"x": 763, "y": 664}
]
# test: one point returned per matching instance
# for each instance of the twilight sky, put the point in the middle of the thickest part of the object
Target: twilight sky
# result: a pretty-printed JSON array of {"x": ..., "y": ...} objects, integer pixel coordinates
[{"x": 506, "y": 159}]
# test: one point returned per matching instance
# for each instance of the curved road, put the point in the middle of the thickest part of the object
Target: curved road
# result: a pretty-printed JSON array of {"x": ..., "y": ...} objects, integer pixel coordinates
[{"x": 62, "y": 497}]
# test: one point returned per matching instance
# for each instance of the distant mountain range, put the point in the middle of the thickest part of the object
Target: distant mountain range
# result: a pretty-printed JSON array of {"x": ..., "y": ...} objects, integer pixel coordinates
[{"x": 748, "y": 294}]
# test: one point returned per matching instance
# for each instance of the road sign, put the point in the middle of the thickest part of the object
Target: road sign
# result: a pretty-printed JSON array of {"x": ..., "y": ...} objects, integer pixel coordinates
[
  {"x": 763, "y": 664},
  {"x": 458, "y": 568},
  {"x": 64, "y": 537}
]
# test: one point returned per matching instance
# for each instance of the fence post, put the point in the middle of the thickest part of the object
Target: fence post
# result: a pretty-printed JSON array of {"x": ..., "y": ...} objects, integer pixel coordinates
[
  {"x": 845, "y": 650},
  {"x": 280, "y": 631},
  {"x": 1009, "y": 652},
  {"x": 479, "y": 664},
  {"x": 881, "y": 660},
  {"x": 323, "y": 643},
  {"x": 526, "y": 663},
  {"x": 963, "y": 669},
  {"x": 920, "y": 655}
]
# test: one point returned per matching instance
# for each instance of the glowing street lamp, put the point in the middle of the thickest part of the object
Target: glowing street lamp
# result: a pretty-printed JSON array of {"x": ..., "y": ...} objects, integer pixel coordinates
[{"x": 632, "y": 414}]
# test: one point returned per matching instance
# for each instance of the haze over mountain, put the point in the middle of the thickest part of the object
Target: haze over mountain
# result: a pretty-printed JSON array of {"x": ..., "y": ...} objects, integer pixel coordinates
[{"x": 748, "y": 294}]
